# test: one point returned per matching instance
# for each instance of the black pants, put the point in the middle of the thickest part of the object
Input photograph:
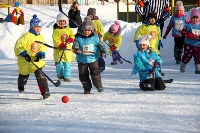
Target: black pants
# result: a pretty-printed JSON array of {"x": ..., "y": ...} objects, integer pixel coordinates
[
  {"x": 151, "y": 85},
  {"x": 89, "y": 69},
  {"x": 178, "y": 47},
  {"x": 41, "y": 80}
]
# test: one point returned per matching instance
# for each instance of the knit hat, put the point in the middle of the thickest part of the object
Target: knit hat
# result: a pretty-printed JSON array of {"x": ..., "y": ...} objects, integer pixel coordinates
[
  {"x": 145, "y": 39},
  {"x": 17, "y": 4},
  {"x": 60, "y": 17},
  {"x": 35, "y": 21},
  {"x": 87, "y": 25},
  {"x": 179, "y": 6},
  {"x": 194, "y": 12},
  {"x": 91, "y": 11},
  {"x": 115, "y": 27},
  {"x": 87, "y": 18}
]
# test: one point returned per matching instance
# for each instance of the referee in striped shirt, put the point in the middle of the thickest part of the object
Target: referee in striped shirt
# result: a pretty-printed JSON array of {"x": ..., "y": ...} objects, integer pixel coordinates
[{"x": 160, "y": 7}]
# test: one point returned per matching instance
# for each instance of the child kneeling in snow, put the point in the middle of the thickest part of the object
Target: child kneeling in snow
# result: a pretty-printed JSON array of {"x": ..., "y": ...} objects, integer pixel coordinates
[
  {"x": 147, "y": 64},
  {"x": 88, "y": 46},
  {"x": 114, "y": 37},
  {"x": 27, "y": 50}
]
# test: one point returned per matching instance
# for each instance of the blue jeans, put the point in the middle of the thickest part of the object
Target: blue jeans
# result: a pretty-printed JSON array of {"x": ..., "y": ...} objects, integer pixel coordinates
[{"x": 64, "y": 69}]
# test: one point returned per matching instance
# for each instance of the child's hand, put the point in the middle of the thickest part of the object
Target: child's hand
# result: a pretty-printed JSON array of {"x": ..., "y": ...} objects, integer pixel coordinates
[
  {"x": 62, "y": 45},
  {"x": 70, "y": 40},
  {"x": 113, "y": 47}
]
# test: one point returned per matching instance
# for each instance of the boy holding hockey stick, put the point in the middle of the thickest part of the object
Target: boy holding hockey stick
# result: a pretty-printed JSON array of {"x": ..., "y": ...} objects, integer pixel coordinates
[
  {"x": 147, "y": 64},
  {"x": 27, "y": 50}
]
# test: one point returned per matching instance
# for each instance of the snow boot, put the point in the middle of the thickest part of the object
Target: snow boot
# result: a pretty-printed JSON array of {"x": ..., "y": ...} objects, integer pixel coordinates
[
  {"x": 67, "y": 79},
  {"x": 182, "y": 67},
  {"x": 86, "y": 92},
  {"x": 46, "y": 95},
  {"x": 60, "y": 77},
  {"x": 114, "y": 63},
  {"x": 178, "y": 61},
  {"x": 197, "y": 69},
  {"x": 21, "y": 89},
  {"x": 100, "y": 89}
]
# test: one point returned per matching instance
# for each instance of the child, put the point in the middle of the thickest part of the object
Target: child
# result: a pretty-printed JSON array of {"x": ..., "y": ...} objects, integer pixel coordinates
[
  {"x": 17, "y": 15},
  {"x": 192, "y": 41},
  {"x": 27, "y": 50},
  {"x": 150, "y": 27},
  {"x": 87, "y": 48},
  {"x": 177, "y": 23},
  {"x": 99, "y": 30},
  {"x": 114, "y": 37},
  {"x": 62, "y": 37},
  {"x": 146, "y": 64}
]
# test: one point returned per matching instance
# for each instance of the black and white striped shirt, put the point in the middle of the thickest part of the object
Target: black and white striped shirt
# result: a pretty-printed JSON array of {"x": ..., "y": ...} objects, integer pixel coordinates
[{"x": 156, "y": 6}]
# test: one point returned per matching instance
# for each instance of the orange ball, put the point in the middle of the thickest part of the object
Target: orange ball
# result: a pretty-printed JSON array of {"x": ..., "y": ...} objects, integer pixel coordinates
[{"x": 65, "y": 99}]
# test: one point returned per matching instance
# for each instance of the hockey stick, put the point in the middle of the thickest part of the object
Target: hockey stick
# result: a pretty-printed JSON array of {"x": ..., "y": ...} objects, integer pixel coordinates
[
  {"x": 168, "y": 80},
  {"x": 120, "y": 55},
  {"x": 54, "y": 83},
  {"x": 60, "y": 9}
]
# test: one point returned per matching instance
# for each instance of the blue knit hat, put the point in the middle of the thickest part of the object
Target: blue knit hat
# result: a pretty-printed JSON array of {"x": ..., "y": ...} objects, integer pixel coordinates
[
  {"x": 35, "y": 21},
  {"x": 17, "y": 4}
]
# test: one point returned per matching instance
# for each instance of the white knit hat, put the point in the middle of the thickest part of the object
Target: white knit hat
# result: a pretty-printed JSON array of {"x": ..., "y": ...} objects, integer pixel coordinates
[
  {"x": 145, "y": 39},
  {"x": 60, "y": 17}
]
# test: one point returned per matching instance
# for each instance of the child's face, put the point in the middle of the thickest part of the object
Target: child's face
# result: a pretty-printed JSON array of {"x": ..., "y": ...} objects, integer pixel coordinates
[
  {"x": 179, "y": 11},
  {"x": 152, "y": 20},
  {"x": 87, "y": 32},
  {"x": 37, "y": 29},
  {"x": 144, "y": 47},
  {"x": 62, "y": 23},
  {"x": 195, "y": 19}
]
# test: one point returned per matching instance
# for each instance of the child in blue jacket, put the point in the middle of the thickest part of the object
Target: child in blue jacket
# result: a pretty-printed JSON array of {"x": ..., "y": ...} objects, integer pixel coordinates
[
  {"x": 87, "y": 47},
  {"x": 147, "y": 64}
]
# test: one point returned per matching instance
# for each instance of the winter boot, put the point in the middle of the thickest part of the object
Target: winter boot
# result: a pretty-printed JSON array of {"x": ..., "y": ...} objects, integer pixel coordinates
[
  {"x": 86, "y": 92},
  {"x": 197, "y": 69},
  {"x": 21, "y": 89},
  {"x": 100, "y": 89},
  {"x": 46, "y": 95},
  {"x": 178, "y": 61},
  {"x": 60, "y": 77},
  {"x": 120, "y": 61},
  {"x": 67, "y": 79},
  {"x": 114, "y": 63},
  {"x": 182, "y": 67}
]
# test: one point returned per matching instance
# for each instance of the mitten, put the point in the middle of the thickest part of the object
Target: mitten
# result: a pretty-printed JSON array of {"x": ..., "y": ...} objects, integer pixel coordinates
[
  {"x": 165, "y": 36},
  {"x": 137, "y": 43},
  {"x": 27, "y": 57},
  {"x": 78, "y": 51},
  {"x": 70, "y": 40},
  {"x": 103, "y": 52},
  {"x": 160, "y": 44},
  {"x": 113, "y": 47},
  {"x": 39, "y": 55},
  {"x": 156, "y": 64},
  {"x": 191, "y": 36},
  {"x": 62, "y": 45}
]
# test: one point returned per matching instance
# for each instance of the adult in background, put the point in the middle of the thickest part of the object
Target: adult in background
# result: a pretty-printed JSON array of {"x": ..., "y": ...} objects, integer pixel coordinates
[
  {"x": 161, "y": 7},
  {"x": 74, "y": 15}
]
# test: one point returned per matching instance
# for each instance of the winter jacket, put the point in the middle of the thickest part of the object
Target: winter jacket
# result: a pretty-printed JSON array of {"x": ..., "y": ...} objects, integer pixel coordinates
[
  {"x": 153, "y": 30},
  {"x": 192, "y": 34},
  {"x": 75, "y": 16},
  {"x": 68, "y": 56},
  {"x": 98, "y": 26},
  {"x": 142, "y": 60},
  {"x": 88, "y": 44},
  {"x": 113, "y": 40},
  {"x": 27, "y": 44},
  {"x": 177, "y": 23}
]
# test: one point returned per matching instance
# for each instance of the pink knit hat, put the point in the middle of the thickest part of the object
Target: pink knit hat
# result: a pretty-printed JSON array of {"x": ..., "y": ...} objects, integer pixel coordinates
[
  {"x": 194, "y": 12},
  {"x": 115, "y": 27},
  {"x": 179, "y": 6}
]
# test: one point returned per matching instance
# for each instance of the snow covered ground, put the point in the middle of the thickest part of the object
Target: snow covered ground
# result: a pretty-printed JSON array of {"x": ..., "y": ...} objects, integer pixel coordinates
[{"x": 121, "y": 108}]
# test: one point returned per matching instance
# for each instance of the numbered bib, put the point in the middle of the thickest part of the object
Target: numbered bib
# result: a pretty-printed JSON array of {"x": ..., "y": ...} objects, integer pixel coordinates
[
  {"x": 87, "y": 49},
  {"x": 179, "y": 25}
]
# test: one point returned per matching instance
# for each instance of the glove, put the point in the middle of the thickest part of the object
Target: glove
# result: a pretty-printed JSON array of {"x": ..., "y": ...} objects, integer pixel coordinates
[
  {"x": 78, "y": 51},
  {"x": 191, "y": 36},
  {"x": 160, "y": 44},
  {"x": 39, "y": 56},
  {"x": 156, "y": 64},
  {"x": 103, "y": 52},
  {"x": 113, "y": 47},
  {"x": 137, "y": 43},
  {"x": 27, "y": 57},
  {"x": 62, "y": 45},
  {"x": 165, "y": 36},
  {"x": 70, "y": 40}
]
